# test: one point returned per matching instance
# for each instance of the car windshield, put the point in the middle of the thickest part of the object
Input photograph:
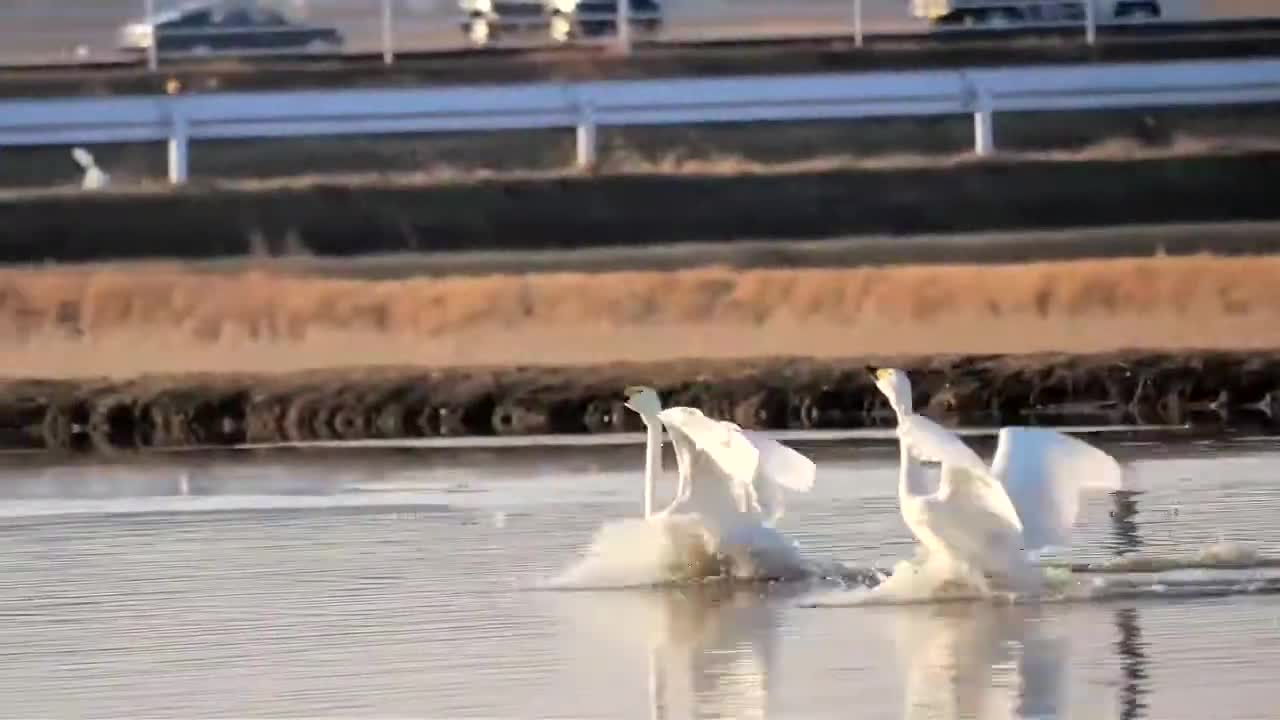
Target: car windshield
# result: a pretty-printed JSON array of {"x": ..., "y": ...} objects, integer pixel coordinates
[
  {"x": 191, "y": 19},
  {"x": 262, "y": 16},
  {"x": 242, "y": 17}
]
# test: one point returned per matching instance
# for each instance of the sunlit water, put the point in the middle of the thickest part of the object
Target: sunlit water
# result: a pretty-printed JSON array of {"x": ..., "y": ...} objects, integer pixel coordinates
[{"x": 407, "y": 584}]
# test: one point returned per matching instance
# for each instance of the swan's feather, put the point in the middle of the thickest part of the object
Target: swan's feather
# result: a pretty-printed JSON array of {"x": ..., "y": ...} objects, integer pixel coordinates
[
  {"x": 1043, "y": 472},
  {"x": 756, "y": 467},
  {"x": 782, "y": 465},
  {"x": 963, "y": 472},
  {"x": 725, "y": 445},
  {"x": 929, "y": 442}
]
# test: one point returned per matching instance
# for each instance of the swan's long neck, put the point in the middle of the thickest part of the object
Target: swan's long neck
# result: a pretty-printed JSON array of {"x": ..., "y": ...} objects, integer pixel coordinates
[{"x": 652, "y": 461}]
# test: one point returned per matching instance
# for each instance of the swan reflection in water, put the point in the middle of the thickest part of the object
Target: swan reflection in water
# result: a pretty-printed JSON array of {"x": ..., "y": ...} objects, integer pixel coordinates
[
  {"x": 712, "y": 652},
  {"x": 710, "y": 648},
  {"x": 981, "y": 661}
]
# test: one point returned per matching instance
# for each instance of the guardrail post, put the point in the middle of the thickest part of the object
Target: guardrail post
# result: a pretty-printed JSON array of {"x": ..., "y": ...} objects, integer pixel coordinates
[
  {"x": 1090, "y": 22},
  {"x": 179, "y": 147},
  {"x": 153, "y": 59},
  {"x": 586, "y": 136},
  {"x": 388, "y": 34},
  {"x": 984, "y": 135},
  {"x": 857, "y": 23},
  {"x": 622, "y": 26}
]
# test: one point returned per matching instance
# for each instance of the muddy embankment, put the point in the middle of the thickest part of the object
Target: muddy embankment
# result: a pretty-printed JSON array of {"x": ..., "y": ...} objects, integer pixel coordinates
[
  {"x": 1221, "y": 390},
  {"x": 121, "y": 358},
  {"x": 574, "y": 211}
]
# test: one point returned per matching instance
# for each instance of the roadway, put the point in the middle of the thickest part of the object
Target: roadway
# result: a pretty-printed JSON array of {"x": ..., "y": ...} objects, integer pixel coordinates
[{"x": 68, "y": 53}]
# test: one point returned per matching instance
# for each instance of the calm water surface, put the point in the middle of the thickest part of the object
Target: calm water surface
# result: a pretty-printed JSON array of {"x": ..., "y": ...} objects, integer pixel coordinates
[{"x": 399, "y": 584}]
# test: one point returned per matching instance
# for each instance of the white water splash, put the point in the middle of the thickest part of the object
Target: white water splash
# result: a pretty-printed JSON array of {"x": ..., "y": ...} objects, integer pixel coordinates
[
  {"x": 637, "y": 552},
  {"x": 663, "y": 550}
]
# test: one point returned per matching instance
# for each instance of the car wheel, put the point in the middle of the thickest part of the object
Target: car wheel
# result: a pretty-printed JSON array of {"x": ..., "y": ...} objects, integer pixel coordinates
[
  {"x": 319, "y": 46},
  {"x": 479, "y": 31},
  {"x": 561, "y": 28}
]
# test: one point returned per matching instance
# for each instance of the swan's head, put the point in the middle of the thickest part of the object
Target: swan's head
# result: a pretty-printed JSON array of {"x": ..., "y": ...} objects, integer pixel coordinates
[
  {"x": 643, "y": 400},
  {"x": 896, "y": 386}
]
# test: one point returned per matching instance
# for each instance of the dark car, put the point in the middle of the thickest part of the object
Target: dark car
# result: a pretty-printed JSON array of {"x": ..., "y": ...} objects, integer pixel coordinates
[
  {"x": 203, "y": 29},
  {"x": 560, "y": 20}
]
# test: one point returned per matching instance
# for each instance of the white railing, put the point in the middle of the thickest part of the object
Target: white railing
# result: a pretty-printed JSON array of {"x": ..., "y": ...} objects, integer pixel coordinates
[{"x": 585, "y": 106}]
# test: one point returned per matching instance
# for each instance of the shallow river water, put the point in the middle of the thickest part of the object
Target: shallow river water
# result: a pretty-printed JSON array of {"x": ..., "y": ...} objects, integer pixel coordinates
[{"x": 406, "y": 583}]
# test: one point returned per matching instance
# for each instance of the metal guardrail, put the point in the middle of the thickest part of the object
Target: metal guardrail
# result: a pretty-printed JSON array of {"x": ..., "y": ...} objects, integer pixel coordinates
[{"x": 586, "y": 106}]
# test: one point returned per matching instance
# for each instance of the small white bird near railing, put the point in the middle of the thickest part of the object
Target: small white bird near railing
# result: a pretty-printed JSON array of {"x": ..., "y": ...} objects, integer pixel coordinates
[{"x": 95, "y": 178}]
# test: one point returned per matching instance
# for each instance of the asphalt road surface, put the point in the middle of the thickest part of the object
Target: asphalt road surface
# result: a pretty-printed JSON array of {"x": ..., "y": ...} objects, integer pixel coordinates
[{"x": 83, "y": 31}]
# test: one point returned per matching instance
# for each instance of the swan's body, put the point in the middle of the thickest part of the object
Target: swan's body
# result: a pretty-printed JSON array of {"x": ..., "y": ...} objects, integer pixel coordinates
[
  {"x": 991, "y": 520},
  {"x": 730, "y": 483}
]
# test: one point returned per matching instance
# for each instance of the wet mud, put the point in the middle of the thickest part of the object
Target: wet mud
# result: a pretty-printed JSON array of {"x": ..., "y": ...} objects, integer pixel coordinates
[
  {"x": 584, "y": 211},
  {"x": 1217, "y": 390}
]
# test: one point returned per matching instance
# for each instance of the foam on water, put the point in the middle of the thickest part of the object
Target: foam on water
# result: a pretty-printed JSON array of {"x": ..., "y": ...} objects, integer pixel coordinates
[
  {"x": 1211, "y": 572},
  {"x": 1220, "y": 555}
]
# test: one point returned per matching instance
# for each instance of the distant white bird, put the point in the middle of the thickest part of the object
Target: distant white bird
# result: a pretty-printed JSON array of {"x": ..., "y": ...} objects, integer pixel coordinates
[
  {"x": 94, "y": 177},
  {"x": 730, "y": 479},
  {"x": 991, "y": 520}
]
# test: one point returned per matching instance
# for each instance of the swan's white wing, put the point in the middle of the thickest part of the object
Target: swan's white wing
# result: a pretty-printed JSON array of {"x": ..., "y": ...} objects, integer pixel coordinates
[
  {"x": 963, "y": 471},
  {"x": 1043, "y": 472},
  {"x": 721, "y": 444},
  {"x": 928, "y": 441},
  {"x": 782, "y": 465},
  {"x": 779, "y": 467},
  {"x": 978, "y": 524}
]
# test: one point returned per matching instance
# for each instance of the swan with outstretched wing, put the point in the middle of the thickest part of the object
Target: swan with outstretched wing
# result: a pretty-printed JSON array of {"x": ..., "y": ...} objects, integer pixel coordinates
[
  {"x": 730, "y": 479},
  {"x": 991, "y": 520}
]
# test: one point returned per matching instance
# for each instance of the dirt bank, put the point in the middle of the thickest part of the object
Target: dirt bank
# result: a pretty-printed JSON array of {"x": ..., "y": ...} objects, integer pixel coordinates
[
  {"x": 122, "y": 322},
  {"x": 1128, "y": 241},
  {"x": 567, "y": 211},
  {"x": 1224, "y": 390}
]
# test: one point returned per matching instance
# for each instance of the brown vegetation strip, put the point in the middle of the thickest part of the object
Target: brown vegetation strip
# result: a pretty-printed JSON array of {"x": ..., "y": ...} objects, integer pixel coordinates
[{"x": 123, "y": 322}]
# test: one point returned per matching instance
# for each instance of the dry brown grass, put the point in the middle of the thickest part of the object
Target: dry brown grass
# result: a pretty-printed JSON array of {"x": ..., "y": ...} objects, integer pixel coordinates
[
  {"x": 126, "y": 321},
  {"x": 671, "y": 163}
]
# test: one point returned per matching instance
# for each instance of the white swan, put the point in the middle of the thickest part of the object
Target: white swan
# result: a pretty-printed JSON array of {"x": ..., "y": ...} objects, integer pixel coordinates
[
  {"x": 991, "y": 520},
  {"x": 95, "y": 178},
  {"x": 730, "y": 483}
]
